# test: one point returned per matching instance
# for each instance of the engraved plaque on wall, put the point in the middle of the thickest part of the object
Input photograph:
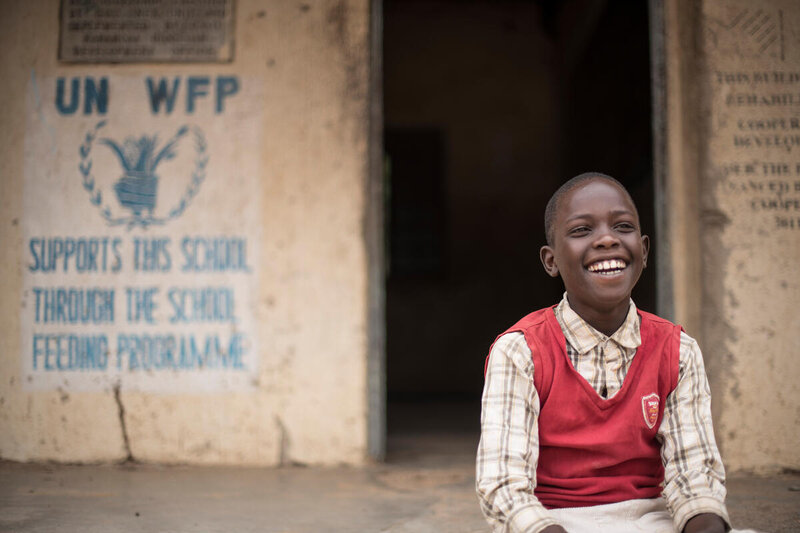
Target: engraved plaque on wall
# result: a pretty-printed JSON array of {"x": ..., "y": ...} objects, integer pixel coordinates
[
  {"x": 750, "y": 223},
  {"x": 137, "y": 31}
]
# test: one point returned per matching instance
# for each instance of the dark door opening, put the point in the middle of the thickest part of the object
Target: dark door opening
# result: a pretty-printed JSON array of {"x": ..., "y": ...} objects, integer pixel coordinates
[{"x": 489, "y": 106}]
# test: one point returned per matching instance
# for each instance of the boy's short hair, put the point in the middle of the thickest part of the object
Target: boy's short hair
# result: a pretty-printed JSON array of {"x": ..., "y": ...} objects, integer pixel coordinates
[{"x": 552, "y": 204}]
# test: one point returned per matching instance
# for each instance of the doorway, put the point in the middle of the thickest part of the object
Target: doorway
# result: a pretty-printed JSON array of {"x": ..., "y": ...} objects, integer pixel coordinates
[{"x": 488, "y": 107}]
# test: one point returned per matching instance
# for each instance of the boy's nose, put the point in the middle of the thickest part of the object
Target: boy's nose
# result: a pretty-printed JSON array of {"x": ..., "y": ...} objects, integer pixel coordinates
[{"x": 606, "y": 239}]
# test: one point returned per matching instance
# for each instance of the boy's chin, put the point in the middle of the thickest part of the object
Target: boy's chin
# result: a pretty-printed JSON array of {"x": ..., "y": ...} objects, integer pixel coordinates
[
  {"x": 608, "y": 299},
  {"x": 600, "y": 300}
]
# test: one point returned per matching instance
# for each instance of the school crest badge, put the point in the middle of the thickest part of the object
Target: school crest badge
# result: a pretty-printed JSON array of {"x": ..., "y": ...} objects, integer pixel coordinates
[{"x": 650, "y": 409}]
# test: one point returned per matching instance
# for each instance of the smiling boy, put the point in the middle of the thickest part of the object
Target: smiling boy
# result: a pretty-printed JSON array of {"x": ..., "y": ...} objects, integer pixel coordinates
[{"x": 596, "y": 415}]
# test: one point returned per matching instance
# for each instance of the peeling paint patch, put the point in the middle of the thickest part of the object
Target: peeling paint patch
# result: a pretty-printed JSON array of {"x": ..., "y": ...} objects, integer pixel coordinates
[{"x": 715, "y": 217}]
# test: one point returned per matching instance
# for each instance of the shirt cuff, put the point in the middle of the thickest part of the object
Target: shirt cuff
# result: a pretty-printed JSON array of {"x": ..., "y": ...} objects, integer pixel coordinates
[
  {"x": 700, "y": 505},
  {"x": 530, "y": 519}
]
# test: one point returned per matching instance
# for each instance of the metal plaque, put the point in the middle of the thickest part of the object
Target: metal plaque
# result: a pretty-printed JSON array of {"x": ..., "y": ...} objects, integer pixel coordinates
[{"x": 146, "y": 31}]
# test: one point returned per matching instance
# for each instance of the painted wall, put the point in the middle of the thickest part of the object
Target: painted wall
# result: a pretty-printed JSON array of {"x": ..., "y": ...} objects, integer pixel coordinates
[
  {"x": 213, "y": 307},
  {"x": 734, "y": 183}
]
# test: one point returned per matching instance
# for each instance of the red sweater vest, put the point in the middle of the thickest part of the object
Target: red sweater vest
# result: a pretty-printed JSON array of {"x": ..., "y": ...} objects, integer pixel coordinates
[{"x": 594, "y": 451}]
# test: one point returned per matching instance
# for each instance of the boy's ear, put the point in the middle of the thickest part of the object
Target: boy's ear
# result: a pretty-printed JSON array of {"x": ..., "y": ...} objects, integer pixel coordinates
[
  {"x": 645, "y": 249},
  {"x": 548, "y": 261}
]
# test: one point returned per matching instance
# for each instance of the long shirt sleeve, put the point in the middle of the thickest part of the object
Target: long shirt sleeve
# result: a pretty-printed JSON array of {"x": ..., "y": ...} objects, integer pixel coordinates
[
  {"x": 509, "y": 445},
  {"x": 694, "y": 477}
]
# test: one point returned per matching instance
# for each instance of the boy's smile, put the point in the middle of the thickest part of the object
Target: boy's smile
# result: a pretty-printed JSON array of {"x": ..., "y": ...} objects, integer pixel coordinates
[{"x": 598, "y": 250}]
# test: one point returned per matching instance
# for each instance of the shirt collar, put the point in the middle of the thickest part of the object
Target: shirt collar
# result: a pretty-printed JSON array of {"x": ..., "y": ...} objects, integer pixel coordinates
[{"x": 583, "y": 337}]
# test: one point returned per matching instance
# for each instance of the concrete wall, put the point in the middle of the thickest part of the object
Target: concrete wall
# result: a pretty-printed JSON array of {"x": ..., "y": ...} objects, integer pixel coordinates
[
  {"x": 732, "y": 193},
  {"x": 287, "y": 170},
  {"x": 288, "y": 174}
]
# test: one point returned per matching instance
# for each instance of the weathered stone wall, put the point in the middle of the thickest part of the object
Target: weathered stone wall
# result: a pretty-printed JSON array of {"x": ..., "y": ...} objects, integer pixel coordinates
[
  {"x": 286, "y": 172},
  {"x": 734, "y": 214}
]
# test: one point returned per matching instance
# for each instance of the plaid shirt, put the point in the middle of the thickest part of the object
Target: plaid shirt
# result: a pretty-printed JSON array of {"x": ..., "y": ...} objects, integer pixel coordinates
[{"x": 508, "y": 452}]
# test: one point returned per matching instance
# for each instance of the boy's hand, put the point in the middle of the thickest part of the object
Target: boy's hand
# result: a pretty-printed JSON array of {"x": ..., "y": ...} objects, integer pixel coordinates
[
  {"x": 554, "y": 529},
  {"x": 704, "y": 523}
]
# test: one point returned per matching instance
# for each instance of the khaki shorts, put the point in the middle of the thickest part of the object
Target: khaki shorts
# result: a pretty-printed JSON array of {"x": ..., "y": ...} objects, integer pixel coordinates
[{"x": 632, "y": 516}]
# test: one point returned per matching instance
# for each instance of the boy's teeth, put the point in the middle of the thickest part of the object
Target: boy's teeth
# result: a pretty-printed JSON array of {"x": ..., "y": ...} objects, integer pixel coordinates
[{"x": 604, "y": 266}]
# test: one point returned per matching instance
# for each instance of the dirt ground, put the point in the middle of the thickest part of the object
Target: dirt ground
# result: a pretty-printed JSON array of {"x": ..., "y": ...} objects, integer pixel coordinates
[{"x": 425, "y": 486}]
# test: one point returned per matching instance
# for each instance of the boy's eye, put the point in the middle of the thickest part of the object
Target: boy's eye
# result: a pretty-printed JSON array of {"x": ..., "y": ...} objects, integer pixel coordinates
[
  {"x": 578, "y": 231},
  {"x": 626, "y": 226}
]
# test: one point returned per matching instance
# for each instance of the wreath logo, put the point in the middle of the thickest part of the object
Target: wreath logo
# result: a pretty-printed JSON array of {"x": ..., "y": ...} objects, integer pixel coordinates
[{"x": 137, "y": 189}]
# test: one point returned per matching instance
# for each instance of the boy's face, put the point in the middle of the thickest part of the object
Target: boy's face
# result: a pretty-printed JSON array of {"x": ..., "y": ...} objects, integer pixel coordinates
[{"x": 598, "y": 248}]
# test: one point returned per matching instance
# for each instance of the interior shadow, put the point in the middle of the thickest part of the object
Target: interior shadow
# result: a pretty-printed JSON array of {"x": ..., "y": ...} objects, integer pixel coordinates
[{"x": 489, "y": 107}]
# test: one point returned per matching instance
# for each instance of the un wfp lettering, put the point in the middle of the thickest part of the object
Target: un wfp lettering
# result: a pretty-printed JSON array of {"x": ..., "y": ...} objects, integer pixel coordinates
[{"x": 162, "y": 93}]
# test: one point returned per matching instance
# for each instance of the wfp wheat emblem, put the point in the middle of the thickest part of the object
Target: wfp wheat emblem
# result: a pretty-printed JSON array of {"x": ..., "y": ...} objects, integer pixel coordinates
[{"x": 142, "y": 181}]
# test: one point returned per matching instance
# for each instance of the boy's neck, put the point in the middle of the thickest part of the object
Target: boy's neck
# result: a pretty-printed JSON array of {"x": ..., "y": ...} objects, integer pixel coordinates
[{"x": 606, "y": 321}]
